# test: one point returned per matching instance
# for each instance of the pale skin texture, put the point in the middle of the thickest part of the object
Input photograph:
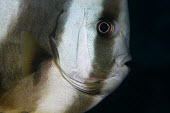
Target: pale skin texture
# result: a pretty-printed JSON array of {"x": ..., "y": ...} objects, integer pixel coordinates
[{"x": 83, "y": 54}]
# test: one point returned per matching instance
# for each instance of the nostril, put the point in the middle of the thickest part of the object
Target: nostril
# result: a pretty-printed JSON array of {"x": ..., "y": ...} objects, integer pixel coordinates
[
  {"x": 129, "y": 63},
  {"x": 122, "y": 59}
]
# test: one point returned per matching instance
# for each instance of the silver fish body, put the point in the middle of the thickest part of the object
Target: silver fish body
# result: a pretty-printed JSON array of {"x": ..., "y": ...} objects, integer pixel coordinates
[{"x": 52, "y": 58}]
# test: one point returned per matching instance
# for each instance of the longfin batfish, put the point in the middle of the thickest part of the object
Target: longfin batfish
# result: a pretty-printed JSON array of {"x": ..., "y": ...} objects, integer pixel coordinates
[{"x": 61, "y": 56}]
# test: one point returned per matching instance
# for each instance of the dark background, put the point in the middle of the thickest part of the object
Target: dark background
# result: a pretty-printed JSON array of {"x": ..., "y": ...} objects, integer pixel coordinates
[{"x": 146, "y": 89}]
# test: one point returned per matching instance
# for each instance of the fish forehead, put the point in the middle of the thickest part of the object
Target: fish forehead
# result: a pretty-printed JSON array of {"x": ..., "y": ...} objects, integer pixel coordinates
[{"x": 86, "y": 13}]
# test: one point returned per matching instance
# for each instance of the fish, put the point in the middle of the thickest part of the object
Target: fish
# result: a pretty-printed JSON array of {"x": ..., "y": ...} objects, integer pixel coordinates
[{"x": 61, "y": 56}]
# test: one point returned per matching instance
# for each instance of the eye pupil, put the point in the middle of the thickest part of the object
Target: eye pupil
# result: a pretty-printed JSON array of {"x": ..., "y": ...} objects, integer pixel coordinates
[{"x": 104, "y": 27}]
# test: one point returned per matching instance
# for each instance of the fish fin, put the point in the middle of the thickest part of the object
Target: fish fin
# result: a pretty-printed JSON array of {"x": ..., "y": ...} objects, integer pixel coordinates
[{"x": 32, "y": 53}]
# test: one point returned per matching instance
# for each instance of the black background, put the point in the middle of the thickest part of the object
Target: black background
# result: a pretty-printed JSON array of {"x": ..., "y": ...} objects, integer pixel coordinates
[{"x": 146, "y": 89}]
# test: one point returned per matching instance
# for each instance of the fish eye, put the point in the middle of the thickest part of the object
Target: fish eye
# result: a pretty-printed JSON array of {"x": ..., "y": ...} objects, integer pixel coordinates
[{"x": 105, "y": 27}]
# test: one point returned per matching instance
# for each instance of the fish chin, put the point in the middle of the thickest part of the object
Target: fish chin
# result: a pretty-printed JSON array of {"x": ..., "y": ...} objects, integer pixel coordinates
[{"x": 115, "y": 78}]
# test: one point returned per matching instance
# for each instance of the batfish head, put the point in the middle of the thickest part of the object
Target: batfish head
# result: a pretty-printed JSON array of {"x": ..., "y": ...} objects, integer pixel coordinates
[{"x": 92, "y": 40}]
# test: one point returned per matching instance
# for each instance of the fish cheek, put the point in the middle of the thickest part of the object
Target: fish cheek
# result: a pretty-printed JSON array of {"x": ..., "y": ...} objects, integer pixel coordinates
[{"x": 103, "y": 57}]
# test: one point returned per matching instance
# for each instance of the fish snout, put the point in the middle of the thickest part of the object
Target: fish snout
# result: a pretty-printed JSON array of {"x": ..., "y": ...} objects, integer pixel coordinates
[{"x": 121, "y": 59}]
